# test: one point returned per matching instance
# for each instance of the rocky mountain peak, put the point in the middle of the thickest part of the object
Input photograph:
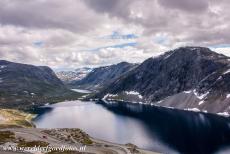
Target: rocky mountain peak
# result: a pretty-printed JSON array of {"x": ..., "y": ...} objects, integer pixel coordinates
[
  {"x": 190, "y": 52},
  {"x": 195, "y": 69}
]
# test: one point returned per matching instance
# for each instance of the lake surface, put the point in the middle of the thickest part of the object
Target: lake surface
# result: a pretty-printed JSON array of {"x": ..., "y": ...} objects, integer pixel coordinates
[
  {"x": 153, "y": 128},
  {"x": 82, "y": 91}
]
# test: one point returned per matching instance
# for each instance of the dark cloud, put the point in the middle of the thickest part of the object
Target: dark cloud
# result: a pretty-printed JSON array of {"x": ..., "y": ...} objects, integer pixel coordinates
[
  {"x": 69, "y": 14},
  {"x": 193, "y": 6},
  {"x": 103, "y": 5},
  {"x": 114, "y": 8}
]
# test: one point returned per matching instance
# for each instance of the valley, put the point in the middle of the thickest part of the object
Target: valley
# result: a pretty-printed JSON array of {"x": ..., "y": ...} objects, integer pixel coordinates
[
  {"x": 114, "y": 77},
  {"x": 184, "y": 89}
]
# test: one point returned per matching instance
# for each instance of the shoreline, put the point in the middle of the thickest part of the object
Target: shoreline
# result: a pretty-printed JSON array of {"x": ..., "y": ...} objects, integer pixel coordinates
[
  {"x": 222, "y": 114},
  {"x": 99, "y": 143},
  {"x": 28, "y": 128}
]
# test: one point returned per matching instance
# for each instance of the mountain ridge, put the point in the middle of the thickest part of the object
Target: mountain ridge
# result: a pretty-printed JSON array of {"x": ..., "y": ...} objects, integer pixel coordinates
[
  {"x": 195, "y": 69},
  {"x": 102, "y": 76},
  {"x": 23, "y": 85}
]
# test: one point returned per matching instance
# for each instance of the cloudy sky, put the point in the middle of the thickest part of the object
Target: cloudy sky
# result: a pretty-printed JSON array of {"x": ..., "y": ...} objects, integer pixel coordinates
[{"x": 76, "y": 33}]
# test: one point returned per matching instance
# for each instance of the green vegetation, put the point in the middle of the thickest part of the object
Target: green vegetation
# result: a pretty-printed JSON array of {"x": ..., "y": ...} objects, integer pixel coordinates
[
  {"x": 10, "y": 118},
  {"x": 32, "y": 143},
  {"x": 6, "y": 136},
  {"x": 87, "y": 141},
  {"x": 28, "y": 101}
]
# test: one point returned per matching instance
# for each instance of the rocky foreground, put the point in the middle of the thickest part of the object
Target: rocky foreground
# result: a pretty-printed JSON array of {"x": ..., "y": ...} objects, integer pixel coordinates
[{"x": 71, "y": 140}]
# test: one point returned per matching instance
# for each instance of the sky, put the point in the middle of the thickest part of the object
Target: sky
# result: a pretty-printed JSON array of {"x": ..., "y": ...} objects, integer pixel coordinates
[{"x": 77, "y": 33}]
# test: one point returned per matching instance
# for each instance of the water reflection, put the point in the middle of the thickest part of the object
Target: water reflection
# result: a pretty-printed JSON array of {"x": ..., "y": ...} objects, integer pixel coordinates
[
  {"x": 148, "y": 127},
  {"x": 186, "y": 132}
]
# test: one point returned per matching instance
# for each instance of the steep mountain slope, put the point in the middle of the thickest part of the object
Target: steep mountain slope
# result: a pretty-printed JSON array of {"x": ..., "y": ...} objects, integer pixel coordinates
[
  {"x": 102, "y": 76},
  {"x": 187, "y": 78},
  {"x": 69, "y": 76},
  {"x": 22, "y": 84}
]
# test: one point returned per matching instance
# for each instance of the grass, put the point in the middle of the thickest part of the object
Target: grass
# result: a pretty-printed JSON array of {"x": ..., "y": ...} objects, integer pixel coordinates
[
  {"x": 11, "y": 118},
  {"x": 87, "y": 141},
  {"x": 6, "y": 136},
  {"x": 28, "y": 102},
  {"x": 32, "y": 143}
]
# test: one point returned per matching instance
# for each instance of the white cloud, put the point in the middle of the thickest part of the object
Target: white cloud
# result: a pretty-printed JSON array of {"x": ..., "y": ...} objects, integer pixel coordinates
[{"x": 72, "y": 33}]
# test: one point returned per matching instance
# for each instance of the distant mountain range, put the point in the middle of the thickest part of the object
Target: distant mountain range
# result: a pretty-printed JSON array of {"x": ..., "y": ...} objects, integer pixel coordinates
[
  {"x": 23, "y": 85},
  {"x": 188, "y": 78},
  {"x": 191, "y": 78},
  {"x": 77, "y": 74},
  {"x": 101, "y": 77}
]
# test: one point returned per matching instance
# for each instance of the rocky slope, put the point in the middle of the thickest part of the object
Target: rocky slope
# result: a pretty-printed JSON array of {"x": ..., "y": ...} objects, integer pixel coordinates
[
  {"x": 192, "y": 78},
  {"x": 103, "y": 76},
  {"x": 29, "y": 85}
]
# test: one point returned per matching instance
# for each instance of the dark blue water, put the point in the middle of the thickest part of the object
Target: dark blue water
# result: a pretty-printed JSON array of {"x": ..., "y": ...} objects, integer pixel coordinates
[{"x": 153, "y": 128}]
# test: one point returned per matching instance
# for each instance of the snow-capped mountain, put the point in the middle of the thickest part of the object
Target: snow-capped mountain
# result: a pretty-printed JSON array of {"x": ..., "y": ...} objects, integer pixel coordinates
[
  {"x": 191, "y": 78},
  {"x": 77, "y": 74},
  {"x": 103, "y": 76}
]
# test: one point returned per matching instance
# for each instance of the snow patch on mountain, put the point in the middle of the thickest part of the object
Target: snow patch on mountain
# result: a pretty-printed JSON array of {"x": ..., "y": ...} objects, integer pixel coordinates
[
  {"x": 200, "y": 96},
  {"x": 134, "y": 93},
  {"x": 159, "y": 101},
  {"x": 201, "y": 102},
  {"x": 193, "y": 109},
  {"x": 228, "y": 95},
  {"x": 226, "y": 114},
  {"x": 168, "y": 107},
  {"x": 226, "y": 72},
  {"x": 188, "y": 92},
  {"x": 167, "y": 56},
  {"x": 109, "y": 95},
  {"x": 3, "y": 66},
  {"x": 219, "y": 78}
]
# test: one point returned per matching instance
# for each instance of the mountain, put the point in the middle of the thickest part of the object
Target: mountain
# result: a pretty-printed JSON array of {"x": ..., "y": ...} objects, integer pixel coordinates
[
  {"x": 23, "y": 85},
  {"x": 102, "y": 76},
  {"x": 77, "y": 74},
  {"x": 191, "y": 78}
]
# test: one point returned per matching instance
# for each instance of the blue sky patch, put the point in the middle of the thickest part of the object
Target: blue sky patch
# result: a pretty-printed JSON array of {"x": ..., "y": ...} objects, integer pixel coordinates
[
  {"x": 38, "y": 43},
  {"x": 161, "y": 39},
  {"x": 117, "y": 35},
  {"x": 220, "y": 46},
  {"x": 130, "y": 44}
]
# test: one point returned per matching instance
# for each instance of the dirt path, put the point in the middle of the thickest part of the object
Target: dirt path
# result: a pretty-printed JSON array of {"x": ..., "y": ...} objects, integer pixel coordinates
[{"x": 99, "y": 146}]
